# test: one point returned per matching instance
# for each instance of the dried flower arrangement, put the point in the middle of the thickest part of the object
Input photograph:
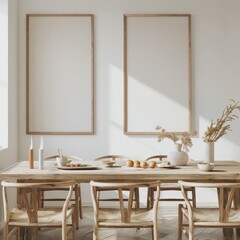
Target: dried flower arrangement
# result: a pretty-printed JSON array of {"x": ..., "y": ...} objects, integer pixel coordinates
[
  {"x": 219, "y": 128},
  {"x": 185, "y": 139}
]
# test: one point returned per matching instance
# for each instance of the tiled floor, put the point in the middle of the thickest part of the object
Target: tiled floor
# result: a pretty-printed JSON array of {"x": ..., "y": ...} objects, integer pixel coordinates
[{"x": 167, "y": 229}]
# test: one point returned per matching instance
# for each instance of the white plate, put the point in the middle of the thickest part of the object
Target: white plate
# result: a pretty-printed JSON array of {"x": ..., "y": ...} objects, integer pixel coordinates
[
  {"x": 166, "y": 165},
  {"x": 78, "y": 168},
  {"x": 113, "y": 166}
]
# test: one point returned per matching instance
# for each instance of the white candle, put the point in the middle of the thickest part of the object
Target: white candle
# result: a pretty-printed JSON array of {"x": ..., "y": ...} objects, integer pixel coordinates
[
  {"x": 31, "y": 155},
  {"x": 31, "y": 144},
  {"x": 41, "y": 146},
  {"x": 40, "y": 155}
]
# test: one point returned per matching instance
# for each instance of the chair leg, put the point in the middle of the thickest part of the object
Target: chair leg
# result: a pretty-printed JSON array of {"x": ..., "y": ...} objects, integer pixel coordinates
[
  {"x": 180, "y": 220},
  {"x": 80, "y": 202},
  {"x": 64, "y": 231},
  {"x": 150, "y": 197},
  {"x": 194, "y": 197},
  {"x": 152, "y": 233},
  {"x": 137, "y": 202},
  {"x": 236, "y": 202},
  {"x": 76, "y": 197},
  {"x": 5, "y": 231},
  {"x": 18, "y": 233},
  {"x": 23, "y": 233},
  {"x": 41, "y": 198},
  {"x": 98, "y": 196},
  {"x": 95, "y": 233},
  {"x": 190, "y": 230},
  {"x": 155, "y": 231},
  {"x": 74, "y": 216}
]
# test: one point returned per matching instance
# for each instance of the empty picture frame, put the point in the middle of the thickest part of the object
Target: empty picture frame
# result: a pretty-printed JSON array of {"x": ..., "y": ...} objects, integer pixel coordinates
[
  {"x": 60, "y": 74},
  {"x": 157, "y": 73}
]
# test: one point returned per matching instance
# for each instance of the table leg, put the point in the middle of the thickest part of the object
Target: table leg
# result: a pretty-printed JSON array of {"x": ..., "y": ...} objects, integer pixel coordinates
[
  {"x": 237, "y": 206},
  {"x": 29, "y": 233},
  {"x": 227, "y": 232}
]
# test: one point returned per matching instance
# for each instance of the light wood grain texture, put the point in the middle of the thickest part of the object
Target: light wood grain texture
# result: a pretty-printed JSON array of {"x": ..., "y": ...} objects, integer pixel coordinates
[
  {"x": 31, "y": 216},
  {"x": 124, "y": 216},
  {"x": 225, "y": 216},
  {"x": 225, "y": 171}
]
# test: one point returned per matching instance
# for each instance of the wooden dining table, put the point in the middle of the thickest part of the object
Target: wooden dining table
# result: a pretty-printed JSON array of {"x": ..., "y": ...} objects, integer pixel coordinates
[{"x": 224, "y": 171}]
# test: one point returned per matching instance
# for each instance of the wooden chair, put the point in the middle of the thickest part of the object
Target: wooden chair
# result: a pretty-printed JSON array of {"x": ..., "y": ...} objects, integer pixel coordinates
[
  {"x": 111, "y": 157},
  {"x": 223, "y": 216},
  {"x": 170, "y": 187},
  {"x": 29, "y": 215},
  {"x": 124, "y": 216},
  {"x": 159, "y": 157},
  {"x": 77, "y": 199},
  {"x": 136, "y": 192}
]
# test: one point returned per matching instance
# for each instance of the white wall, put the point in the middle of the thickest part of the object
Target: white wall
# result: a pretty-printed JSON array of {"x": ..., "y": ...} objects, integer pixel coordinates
[
  {"x": 216, "y": 58},
  {"x": 4, "y": 75},
  {"x": 9, "y": 156}
]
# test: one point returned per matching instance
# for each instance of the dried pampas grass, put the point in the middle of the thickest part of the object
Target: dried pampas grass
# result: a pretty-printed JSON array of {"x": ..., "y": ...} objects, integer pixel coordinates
[
  {"x": 185, "y": 139},
  {"x": 219, "y": 128}
]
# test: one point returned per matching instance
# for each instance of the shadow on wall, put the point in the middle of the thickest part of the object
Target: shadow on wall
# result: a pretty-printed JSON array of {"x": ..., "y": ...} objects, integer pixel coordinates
[{"x": 209, "y": 112}]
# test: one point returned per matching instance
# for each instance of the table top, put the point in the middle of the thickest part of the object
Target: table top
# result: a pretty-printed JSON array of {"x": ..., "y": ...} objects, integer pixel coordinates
[{"x": 223, "y": 171}]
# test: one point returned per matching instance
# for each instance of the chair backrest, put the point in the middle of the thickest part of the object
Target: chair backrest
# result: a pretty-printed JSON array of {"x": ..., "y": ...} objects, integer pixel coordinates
[
  {"x": 112, "y": 157},
  {"x": 125, "y": 211},
  {"x": 160, "y": 157},
  {"x": 226, "y": 193},
  {"x": 28, "y": 195}
]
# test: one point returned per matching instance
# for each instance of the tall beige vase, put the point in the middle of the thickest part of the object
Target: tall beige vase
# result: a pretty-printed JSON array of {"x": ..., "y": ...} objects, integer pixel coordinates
[{"x": 209, "y": 152}]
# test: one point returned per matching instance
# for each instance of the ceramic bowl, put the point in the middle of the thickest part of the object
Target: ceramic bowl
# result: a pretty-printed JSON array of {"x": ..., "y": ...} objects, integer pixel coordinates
[
  {"x": 61, "y": 161},
  {"x": 207, "y": 167},
  {"x": 108, "y": 163}
]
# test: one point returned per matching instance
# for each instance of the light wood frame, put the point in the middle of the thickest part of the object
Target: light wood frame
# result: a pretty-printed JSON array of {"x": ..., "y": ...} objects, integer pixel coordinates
[
  {"x": 128, "y": 131},
  {"x": 88, "y": 127}
]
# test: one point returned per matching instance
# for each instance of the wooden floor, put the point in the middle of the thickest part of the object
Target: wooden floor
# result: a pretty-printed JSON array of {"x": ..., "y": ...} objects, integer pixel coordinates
[{"x": 167, "y": 229}]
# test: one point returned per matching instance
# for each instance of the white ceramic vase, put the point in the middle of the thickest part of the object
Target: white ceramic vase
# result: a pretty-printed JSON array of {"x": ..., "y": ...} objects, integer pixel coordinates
[
  {"x": 178, "y": 157},
  {"x": 209, "y": 152}
]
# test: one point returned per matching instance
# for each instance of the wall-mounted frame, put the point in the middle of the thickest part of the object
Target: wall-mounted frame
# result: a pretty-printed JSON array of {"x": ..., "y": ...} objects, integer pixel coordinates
[
  {"x": 60, "y": 74},
  {"x": 157, "y": 73}
]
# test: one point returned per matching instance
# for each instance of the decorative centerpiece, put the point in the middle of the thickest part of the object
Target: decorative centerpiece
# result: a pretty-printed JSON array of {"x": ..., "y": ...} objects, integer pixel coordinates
[
  {"x": 179, "y": 157},
  {"x": 219, "y": 128}
]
